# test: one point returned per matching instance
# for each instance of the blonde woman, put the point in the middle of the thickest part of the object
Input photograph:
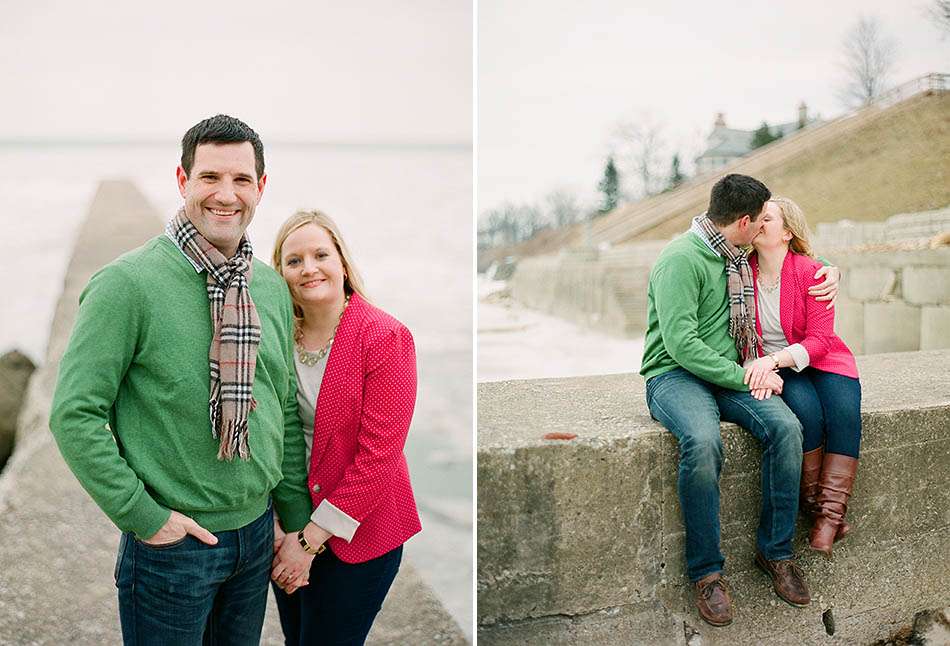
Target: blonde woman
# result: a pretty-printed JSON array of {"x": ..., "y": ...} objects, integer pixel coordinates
[
  {"x": 356, "y": 389},
  {"x": 820, "y": 376}
]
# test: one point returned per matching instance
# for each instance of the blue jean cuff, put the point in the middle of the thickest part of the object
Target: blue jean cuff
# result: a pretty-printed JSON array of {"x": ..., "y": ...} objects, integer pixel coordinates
[{"x": 706, "y": 573}]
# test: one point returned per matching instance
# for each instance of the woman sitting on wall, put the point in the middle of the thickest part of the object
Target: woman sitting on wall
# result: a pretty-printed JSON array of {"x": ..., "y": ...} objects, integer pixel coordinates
[{"x": 820, "y": 375}]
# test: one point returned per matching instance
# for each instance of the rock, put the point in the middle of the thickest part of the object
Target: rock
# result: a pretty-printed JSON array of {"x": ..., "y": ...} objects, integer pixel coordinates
[
  {"x": 15, "y": 371},
  {"x": 930, "y": 628}
]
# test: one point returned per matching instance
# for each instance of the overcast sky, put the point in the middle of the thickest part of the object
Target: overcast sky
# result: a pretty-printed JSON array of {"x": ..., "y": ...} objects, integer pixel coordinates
[
  {"x": 553, "y": 78},
  {"x": 365, "y": 71}
]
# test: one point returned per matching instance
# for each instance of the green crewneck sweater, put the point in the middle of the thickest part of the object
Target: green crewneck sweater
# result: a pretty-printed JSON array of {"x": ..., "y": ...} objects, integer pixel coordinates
[
  {"x": 688, "y": 315},
  {"x": 137, "y": 363}
]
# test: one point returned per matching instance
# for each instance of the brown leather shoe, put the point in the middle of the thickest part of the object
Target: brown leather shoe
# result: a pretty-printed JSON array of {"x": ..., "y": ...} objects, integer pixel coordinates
[
  {"x": 788, "y": 580},
  {"x": 713, "y": 601},
  {"x": 834, "y": 491}
]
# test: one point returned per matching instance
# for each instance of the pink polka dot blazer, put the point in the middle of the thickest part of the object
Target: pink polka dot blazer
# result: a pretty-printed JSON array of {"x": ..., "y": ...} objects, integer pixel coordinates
[
  {"x": 805, "y": 320},
  {"x": 362, "y": 418}
]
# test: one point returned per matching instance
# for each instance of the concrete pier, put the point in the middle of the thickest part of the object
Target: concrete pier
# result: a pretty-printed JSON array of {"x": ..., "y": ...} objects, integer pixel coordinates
[
  {"x": 581, "y": 541},
  {"x": 57, "y": 549}
]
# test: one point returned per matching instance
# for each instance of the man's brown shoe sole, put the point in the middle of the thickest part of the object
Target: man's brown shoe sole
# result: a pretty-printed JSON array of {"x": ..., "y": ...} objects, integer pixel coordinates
[{"x": 713, "y": 623}]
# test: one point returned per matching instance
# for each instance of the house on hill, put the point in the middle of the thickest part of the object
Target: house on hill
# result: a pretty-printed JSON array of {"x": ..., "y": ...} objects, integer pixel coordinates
[{"x": 724, "y": 145}]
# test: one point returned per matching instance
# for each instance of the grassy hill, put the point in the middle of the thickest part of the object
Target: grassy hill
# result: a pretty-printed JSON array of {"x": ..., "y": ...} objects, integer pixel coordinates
[
  {"x": 865, "y": 166},
  {"x": 896, "y": 162}
]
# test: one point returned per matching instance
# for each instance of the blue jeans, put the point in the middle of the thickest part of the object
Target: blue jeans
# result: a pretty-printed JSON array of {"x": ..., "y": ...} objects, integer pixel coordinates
[
  {"x": 339, "y": 605},
  {"x": 690, "y": 409},
  {"x": 829, "y": 408},
  {"x": 190, "y": 593}
]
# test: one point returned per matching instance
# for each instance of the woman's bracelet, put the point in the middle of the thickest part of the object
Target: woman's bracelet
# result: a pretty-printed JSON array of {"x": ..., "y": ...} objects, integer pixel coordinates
[{"x": 307, "y": 547}]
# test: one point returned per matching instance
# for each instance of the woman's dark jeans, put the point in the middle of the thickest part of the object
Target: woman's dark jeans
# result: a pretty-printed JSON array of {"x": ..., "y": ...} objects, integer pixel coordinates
[
  {"x": 829, "y": 408},
  {"x": 339, "y": 605}
]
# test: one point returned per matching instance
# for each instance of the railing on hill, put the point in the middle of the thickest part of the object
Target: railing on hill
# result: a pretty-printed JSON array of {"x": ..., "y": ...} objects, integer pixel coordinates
[{"x": 920, "y": 85}]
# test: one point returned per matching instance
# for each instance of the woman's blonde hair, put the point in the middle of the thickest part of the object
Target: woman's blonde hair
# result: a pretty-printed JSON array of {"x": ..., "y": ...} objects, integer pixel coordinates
[
  {"x": 352, "y": 281},
  {"x": 795, "y": 223}
]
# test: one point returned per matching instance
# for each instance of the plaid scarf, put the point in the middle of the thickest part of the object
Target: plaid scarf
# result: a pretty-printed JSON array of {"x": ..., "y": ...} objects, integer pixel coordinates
[
  {"x": 740, "y": 286},
  {"x": 237, "y": 333}
]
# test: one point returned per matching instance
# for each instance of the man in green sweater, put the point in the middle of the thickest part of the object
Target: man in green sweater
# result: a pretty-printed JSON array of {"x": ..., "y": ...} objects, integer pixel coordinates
[
  {"x": 176, "y": 406},
  {"x": 700, "y": 325}
]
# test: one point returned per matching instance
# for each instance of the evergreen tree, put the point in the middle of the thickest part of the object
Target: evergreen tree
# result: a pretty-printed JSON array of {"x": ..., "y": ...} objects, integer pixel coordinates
[
  {"x": 610, "y": 187},
  {"x": 676, "y": 176},
  {"x": 763, "y": 136}
]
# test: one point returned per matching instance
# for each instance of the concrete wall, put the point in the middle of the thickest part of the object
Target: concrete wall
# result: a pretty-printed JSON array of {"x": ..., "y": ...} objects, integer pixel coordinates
[
  {"x": 605, "y": 290},
  {"x": 890, "y": 301},
  {"x": 901, "y": 227},
  {"x": 893, "y": 301},
  {"x": 581, "y": 542},
  {"x": 57, "y": 549}
]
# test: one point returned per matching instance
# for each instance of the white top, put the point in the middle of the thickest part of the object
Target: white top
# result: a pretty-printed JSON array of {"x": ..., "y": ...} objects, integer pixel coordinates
[
  {"x": 773, "y": 337},
  {"x": 309, "y": 379}
]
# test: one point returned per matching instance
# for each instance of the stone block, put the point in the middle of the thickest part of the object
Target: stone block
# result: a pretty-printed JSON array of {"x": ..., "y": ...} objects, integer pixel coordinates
[
  {"x": 849, "y": 323},
  {"x": 543, "y": 551},
  {"x": 926, "y": 285},
  {"x": 935, "y": 327},
  {"x": 891, "y": 327},
  {"x": 871, "y": 282},
  {"x": 649, "y": 622}
]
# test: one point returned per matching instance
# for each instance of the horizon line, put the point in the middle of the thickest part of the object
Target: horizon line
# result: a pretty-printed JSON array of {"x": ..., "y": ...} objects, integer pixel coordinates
[{"x": 283, "y": 141}]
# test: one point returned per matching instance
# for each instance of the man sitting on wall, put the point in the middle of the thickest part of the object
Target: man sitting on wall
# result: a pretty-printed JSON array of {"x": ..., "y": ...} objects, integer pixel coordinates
[{"x": 700, "y": 327}]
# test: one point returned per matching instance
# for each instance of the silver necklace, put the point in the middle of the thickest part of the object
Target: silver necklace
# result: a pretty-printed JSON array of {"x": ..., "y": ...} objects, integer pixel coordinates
[
  {"x": 768, "y": 289},
  {"x": 310, "y": 359}
]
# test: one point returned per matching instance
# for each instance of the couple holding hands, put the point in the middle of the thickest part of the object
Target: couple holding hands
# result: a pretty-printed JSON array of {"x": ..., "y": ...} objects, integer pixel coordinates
[{"x": 240, "y": 423}]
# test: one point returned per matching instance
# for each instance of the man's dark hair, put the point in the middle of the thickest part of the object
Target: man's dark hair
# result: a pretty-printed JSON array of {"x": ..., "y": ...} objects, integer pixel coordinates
[
  {"x": 734, "y": 196},
  {"x": 220, "y": 129}
]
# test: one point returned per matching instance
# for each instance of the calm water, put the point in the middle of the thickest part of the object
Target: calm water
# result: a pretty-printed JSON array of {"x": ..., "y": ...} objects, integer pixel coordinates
[{"x": 406, "y": 214}]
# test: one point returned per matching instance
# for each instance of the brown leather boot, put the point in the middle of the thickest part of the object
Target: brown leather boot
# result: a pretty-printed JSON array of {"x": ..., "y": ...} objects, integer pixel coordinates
[
  {"x": 713, "y": 601},
  {"x": 807, "y": 500},
  {"x": 808, "y": 490},
  {"x": 788, "y": 580},
  {"x": 835, "y": 485}
]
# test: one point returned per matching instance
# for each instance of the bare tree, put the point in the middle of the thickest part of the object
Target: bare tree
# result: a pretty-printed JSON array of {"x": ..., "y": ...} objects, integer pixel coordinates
[
  {"x": 940, "y": 14},
  {"x": 501, "y": 224},
  {"x": 869, "y": 57},
  {"x": 563, "y": 209},
  {"x": 692, "y": 144},
  {"x": 510, "y": 223},
  {"x": 640, "y": 149},
  {"x": 530, "y": 221}
]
